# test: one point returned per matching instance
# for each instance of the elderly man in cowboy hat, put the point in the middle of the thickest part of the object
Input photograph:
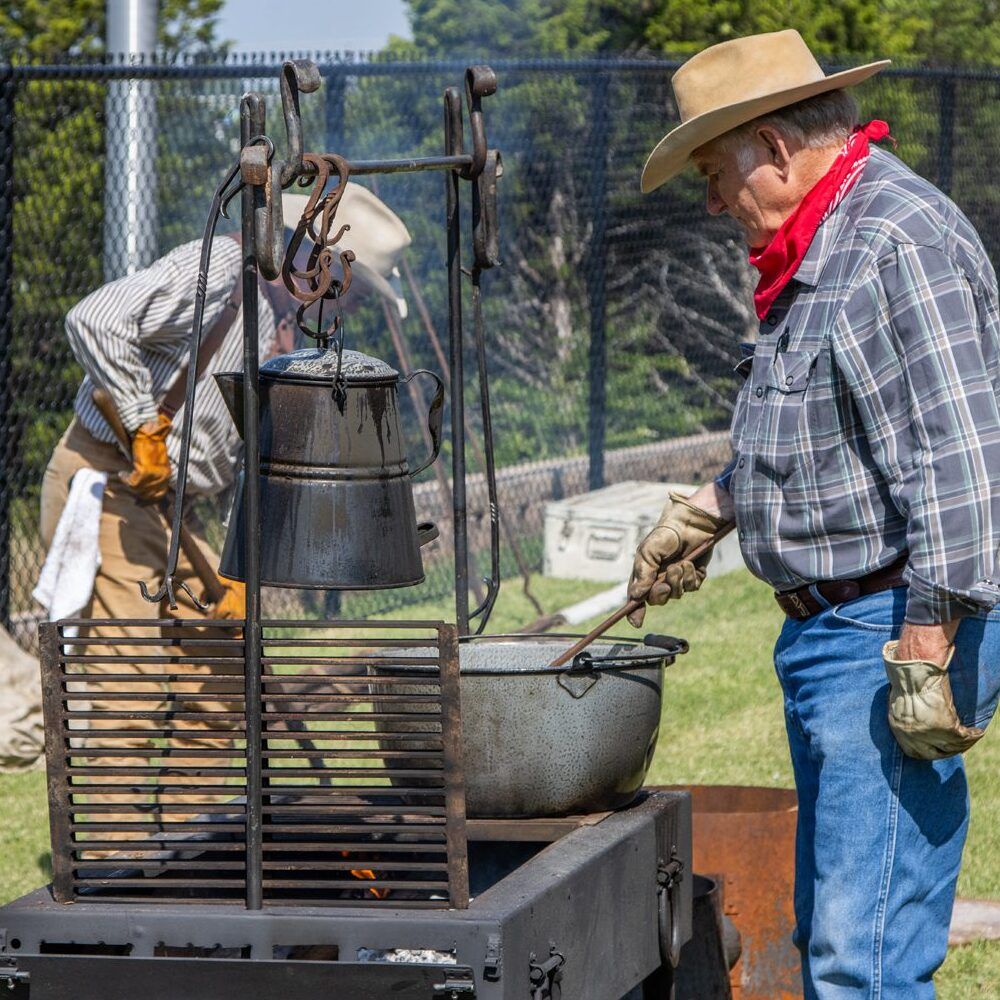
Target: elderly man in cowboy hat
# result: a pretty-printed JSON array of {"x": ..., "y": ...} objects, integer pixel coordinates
[
  {"x": 131, "y": 338},
  {"x": 865, "y": 487}
]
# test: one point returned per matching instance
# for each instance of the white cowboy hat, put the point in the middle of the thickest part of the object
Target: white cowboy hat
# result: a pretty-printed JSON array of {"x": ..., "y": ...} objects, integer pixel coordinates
[
  {"x": 731, "y": 83},
  {"x": 377, "y": 236}
]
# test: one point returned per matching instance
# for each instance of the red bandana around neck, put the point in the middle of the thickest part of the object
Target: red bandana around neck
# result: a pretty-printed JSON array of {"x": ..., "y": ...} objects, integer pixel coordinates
[{"x": 780, "y": 259}]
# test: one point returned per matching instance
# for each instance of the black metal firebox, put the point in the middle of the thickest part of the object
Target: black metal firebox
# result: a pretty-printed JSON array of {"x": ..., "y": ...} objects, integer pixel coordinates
[
  {"x": 373, "y": 883},
  {"x": 587, "y": 907}
]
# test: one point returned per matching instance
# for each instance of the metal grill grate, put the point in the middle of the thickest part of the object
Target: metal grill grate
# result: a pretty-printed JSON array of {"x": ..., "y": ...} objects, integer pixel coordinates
[{"x": 362, "y": 798}]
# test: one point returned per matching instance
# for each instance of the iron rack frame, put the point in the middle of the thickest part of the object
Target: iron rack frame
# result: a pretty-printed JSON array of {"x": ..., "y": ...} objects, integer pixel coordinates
[{"x": 263, "y": 180}]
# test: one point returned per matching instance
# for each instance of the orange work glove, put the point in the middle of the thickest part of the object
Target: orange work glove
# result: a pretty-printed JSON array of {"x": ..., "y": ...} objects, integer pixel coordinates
[
  {"x": 150, "y": 475},
  {"x": 233, "y": 603}
]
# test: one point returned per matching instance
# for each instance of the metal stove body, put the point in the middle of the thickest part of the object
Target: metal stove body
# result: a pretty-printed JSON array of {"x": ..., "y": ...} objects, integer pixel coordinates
[{"x": 589, "y": 908}]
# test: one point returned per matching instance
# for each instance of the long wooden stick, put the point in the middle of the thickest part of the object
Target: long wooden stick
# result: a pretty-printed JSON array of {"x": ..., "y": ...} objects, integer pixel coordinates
[
  {"x": 215, "y": 589},
  {"x": 630, "y": 606}
]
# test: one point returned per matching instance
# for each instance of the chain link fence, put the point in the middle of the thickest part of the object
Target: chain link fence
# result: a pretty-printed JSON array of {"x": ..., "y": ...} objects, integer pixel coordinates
[{"x": 612, "y": 327}]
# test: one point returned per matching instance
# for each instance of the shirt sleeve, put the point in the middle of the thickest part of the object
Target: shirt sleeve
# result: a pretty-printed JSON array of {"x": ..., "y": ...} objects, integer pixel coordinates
[
  {"x": 927, "y": 399},
  {"x": 116, "y": 331}
]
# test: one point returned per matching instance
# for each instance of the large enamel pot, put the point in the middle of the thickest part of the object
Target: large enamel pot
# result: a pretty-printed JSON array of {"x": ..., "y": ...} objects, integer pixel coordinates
[
  {"x": 336, "y": 501},
  {"x": 544, "y": 742}
]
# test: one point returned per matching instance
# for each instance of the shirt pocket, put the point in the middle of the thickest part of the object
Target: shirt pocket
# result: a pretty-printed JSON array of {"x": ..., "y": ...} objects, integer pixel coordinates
[{"x": 781, "y": 444}]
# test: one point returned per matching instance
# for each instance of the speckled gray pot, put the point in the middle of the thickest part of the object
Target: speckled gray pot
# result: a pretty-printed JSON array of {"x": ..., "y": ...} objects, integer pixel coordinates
[{"x": 543, "y": 742}]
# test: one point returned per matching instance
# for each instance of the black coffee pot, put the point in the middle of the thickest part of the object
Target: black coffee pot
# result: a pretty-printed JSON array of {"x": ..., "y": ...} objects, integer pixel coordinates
[{"x": 336, "y": 499}]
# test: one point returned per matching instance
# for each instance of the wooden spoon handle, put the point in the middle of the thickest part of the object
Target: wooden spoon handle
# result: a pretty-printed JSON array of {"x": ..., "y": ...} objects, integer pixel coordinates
[{"x": 626, "y": 609}]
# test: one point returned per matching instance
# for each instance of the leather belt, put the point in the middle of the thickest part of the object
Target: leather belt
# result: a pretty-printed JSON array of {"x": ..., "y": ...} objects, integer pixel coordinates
[{"x": 802, "y": 603}]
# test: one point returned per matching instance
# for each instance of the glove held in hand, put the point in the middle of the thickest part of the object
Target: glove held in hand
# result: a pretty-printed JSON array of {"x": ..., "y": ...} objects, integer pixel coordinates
[
  {"x": 922, "y": 713},
  {"x": 233, "y": 603}
]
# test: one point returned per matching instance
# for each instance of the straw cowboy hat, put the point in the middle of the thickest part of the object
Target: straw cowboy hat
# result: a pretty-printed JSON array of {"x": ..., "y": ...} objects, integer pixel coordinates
[
  {"x": 732, "y": 83},
  {"x": 377, "y": 236}
]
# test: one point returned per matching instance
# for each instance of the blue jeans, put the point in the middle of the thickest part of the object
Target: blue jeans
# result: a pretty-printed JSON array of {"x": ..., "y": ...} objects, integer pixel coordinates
[{"x": 880, "y": 835}]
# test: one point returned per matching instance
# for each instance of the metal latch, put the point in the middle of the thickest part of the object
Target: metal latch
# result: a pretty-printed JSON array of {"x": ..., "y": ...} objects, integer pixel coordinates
[
  {"x": 11, "y": 976},
  {"x": 668, "y": 875},
  {"x": 546, "y": 977},
  {"x": 458, "y": 985},
  {"x": 493, "y": 963}
]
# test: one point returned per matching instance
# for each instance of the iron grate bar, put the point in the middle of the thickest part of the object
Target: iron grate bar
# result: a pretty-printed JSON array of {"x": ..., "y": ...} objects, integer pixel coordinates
[{"x": 362, "y": 801}]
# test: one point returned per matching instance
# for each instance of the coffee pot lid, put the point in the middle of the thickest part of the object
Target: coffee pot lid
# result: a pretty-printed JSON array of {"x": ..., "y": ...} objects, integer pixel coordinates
[{"x": 320, "y": 365}]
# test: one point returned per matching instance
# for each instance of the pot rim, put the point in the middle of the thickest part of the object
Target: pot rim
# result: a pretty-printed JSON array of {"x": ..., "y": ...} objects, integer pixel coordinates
[
  {"x": 639, "y": 657},
  {"x": 323, "y": 380}
]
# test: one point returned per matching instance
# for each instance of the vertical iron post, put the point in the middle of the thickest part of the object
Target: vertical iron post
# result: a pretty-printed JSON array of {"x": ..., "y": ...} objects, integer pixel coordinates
[
  {"x": 8, "y": 431},
  {"x": 597, "y": 355},
  {"x": 453, "y": 147},
  {"x": 252, "y": 123},
  {"x": 334, "y": 87},
  {"x": 946, "y": 132}
]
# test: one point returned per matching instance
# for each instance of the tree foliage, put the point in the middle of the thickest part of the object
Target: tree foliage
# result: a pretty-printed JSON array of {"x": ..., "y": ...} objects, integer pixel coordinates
[
  {"x": 59, "y": 193},
  {"x": 678, "y": 299},
  {"x": 944, "y": 32},
  {"x": 40, "y": 31}
]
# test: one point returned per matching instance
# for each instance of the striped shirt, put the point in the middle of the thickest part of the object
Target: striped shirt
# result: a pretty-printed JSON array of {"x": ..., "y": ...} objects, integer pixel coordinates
[
  {"x": 869, "y": 423},
  {"x": 132, "y": 337}
]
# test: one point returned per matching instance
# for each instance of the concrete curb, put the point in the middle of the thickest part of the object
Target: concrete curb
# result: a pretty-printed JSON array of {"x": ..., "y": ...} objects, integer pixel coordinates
[{"x": 974, "y": 920}]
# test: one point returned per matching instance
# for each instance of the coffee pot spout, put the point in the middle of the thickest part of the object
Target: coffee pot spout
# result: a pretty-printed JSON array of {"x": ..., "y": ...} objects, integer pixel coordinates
[{"x": 231, "y": 386}]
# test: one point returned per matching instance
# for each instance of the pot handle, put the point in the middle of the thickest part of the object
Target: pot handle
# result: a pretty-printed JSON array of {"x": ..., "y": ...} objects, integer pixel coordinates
[
  {"x": 427, "y": 531},
  {"x": 435, "y": 415}
]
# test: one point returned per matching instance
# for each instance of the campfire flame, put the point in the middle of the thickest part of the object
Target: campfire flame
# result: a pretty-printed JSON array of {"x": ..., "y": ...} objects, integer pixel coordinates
[{"x": 366, "y": 874}]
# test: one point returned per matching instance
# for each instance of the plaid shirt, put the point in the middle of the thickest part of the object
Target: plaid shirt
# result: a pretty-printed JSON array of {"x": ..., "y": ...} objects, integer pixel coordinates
[{"x": 869, "y": 423}]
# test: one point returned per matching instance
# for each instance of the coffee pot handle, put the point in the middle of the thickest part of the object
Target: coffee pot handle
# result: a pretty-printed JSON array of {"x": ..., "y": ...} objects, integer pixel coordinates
[{"x": 435, "y": 416}]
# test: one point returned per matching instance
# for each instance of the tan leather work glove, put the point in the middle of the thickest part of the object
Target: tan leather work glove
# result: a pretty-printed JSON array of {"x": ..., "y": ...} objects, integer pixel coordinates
[
  {"x": 150, "y": 475},
  {"x": 233, "y": 603},
  {"x": 660, "y": 570},
  {"x": 922, "y": 713}
]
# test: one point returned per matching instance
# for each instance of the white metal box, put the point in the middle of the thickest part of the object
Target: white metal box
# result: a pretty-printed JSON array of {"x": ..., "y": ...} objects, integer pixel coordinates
[{"x": 593, "y": 536}]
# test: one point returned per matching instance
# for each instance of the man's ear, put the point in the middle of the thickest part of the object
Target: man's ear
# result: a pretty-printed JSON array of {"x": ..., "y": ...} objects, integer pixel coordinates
[{"x": 778, "y": 153}]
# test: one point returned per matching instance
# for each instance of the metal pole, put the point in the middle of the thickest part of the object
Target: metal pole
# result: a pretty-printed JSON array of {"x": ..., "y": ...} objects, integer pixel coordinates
[
  {"x": 8, "y": 429},
  {"x": 251, "y": 124},
  {"x": 946, "y": 132},
  {"x": 334, "y": 85},
  {"x": 130, "y": 242},
  {"x": 453, "y": 146},
  {"x": 596, "y": 281}
]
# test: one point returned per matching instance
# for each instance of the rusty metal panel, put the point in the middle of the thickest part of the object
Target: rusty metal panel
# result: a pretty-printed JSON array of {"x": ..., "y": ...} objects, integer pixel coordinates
[
  {"x": 747, "y": 835},
  {"x": 148, "y": 756}
]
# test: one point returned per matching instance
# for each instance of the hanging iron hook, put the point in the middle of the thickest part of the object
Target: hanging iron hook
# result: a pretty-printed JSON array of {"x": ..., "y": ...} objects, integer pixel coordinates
[
  {"x": 480, "y": 82},
  {"x": 270, "y": 174},
  {"x": 268, "y": 154},
  {"x": 167, "y": 589},
  {"x": 296, "y": 75}
]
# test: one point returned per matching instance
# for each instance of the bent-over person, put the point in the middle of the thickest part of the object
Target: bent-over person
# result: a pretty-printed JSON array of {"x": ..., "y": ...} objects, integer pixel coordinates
[{"x": 132, "y": 338}]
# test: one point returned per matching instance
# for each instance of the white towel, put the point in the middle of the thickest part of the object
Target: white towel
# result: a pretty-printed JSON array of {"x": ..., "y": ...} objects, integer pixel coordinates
[{"x": 67, "y": 578}]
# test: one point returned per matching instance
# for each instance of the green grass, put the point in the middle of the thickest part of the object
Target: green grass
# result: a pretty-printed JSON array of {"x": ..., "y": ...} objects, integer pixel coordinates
[{"x": 722, "y": 724}]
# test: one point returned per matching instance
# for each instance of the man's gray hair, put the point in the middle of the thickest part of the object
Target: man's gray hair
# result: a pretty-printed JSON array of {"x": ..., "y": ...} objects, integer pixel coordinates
[{"x": 825, "y": 120}]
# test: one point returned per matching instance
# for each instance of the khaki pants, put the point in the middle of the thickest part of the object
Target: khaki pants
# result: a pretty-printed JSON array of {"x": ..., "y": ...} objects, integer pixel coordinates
[{"x": 134, "y": 538}]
